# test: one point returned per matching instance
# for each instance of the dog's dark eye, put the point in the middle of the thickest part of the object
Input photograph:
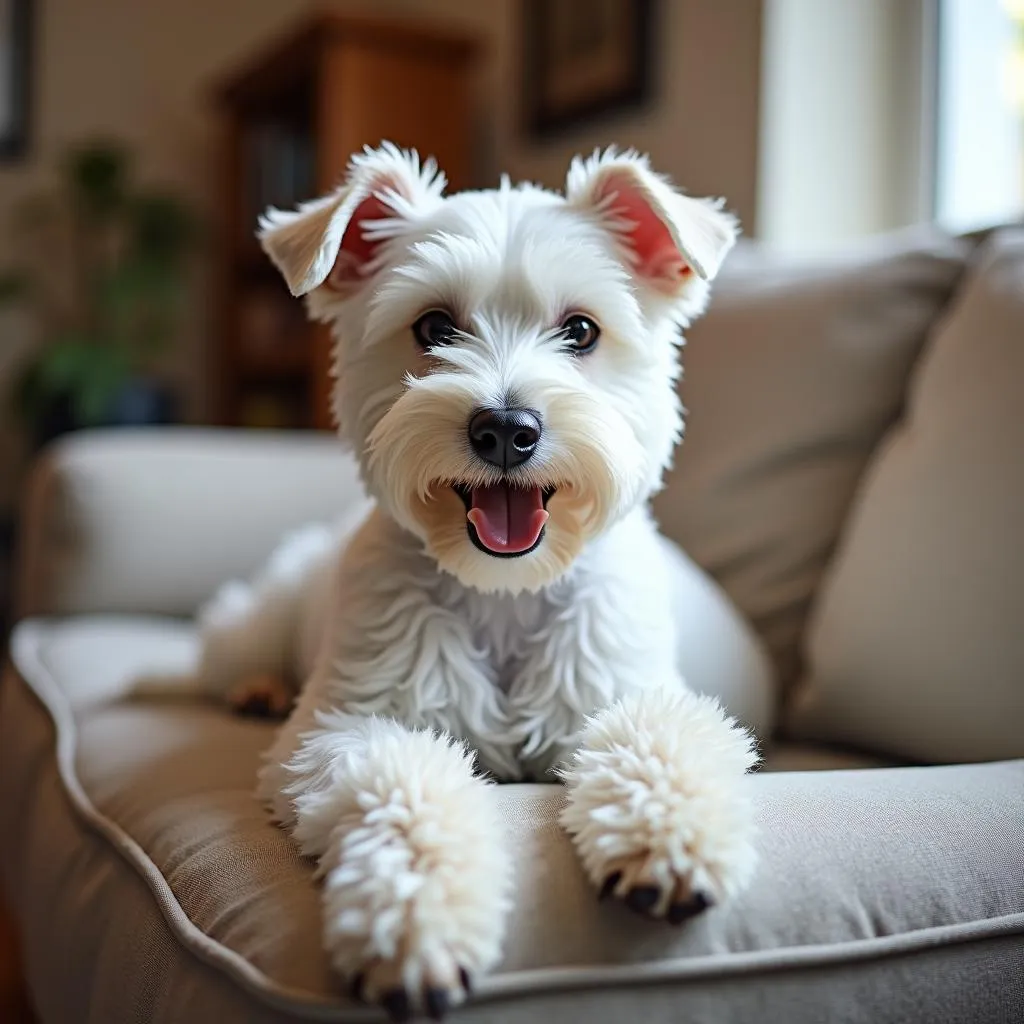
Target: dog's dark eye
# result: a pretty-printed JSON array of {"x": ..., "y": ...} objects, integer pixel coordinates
[
  {"x": 581, "y": 333},
  {"x": 435, "y": 327}
]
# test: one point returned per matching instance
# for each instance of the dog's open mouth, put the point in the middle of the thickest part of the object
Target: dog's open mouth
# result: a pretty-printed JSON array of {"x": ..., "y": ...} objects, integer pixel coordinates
[{"x": 505, "y": 520}]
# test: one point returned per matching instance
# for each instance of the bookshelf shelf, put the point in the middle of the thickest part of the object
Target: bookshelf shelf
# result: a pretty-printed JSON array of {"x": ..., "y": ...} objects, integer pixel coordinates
[
  {"x": 277, "y": 364},
  {"x": 291, "y": 119}
]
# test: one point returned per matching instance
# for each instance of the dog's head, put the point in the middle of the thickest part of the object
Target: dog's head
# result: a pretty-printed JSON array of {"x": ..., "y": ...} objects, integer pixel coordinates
[{"x": 505, "y": 360}]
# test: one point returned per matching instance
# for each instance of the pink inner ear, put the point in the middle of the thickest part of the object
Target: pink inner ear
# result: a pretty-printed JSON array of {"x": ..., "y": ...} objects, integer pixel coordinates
[
  {"x": 656, "y": 254},
  {"x": 356, "y": 249}
]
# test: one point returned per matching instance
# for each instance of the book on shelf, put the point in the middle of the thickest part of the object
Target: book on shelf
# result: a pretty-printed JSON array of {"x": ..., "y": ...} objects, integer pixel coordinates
[{"x": 279, "y": 168}]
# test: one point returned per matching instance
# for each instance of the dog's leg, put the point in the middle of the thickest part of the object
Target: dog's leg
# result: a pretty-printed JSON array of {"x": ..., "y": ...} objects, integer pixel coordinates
[
  {"x": 411, "y": 855},
  {"x": 250, "y": 632},
  {"x": 415, "y": 871},
  {"x": 657, "y": 803}
]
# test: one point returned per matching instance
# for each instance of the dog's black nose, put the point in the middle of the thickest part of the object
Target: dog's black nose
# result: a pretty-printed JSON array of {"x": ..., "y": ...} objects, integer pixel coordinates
[{"x": 504, "y": 437}]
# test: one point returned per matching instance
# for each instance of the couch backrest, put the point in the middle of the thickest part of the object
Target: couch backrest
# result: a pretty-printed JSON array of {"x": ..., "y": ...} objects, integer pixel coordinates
[
  {"x": 916, "y": 644},
  {"x": 791, "y": 380}
]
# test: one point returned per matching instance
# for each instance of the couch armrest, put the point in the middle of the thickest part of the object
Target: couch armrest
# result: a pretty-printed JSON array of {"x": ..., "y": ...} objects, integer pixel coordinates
[{"x": 154, "y": 520}]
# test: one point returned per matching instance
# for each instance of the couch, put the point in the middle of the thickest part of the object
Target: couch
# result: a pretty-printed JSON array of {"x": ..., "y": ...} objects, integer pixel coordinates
[{"x": 852, "y": 485}]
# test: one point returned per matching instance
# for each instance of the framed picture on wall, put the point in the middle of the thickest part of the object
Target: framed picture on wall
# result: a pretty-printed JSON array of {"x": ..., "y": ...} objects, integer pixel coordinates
[
  {"x": 583, "y": 59},
  {"x": 15, "y": 76}
]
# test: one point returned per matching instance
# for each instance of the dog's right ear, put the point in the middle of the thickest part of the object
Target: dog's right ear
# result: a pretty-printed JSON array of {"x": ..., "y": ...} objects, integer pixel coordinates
[
  {"x": 667, "y": 236},
  {"x": 335, "y": 241}
]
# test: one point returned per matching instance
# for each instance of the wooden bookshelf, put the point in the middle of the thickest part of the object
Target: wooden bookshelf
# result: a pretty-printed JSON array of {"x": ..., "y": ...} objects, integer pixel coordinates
[{"x": 291, "y": 120}]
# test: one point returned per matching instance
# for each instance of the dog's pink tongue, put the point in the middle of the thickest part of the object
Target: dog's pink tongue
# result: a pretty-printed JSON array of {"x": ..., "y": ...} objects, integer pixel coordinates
[{"x": 507, "y": 519}]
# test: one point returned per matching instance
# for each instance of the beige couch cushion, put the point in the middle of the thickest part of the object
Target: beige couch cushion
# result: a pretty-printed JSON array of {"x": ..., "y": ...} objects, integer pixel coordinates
[
  {"x": 917, "y": 645},
  {"x": 791, "y": 379},
  {"x": 149, "y": 885},
  {"x": 155, "y": 520}
]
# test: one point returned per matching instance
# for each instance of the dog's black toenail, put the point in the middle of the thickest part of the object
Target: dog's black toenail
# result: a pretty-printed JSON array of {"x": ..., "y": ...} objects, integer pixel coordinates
[
  {"x": 356, "y": 986},
  {"x": 467, "y": 981},
  {"x": 257, "y": 705},
  {"x": 609, "y": 885},
  {"x": 435, "y": 1001},
  {"x": 680, "y": 912},
  {"x": 642, "y": 898},
  {"x": 396, "y": 1002}
]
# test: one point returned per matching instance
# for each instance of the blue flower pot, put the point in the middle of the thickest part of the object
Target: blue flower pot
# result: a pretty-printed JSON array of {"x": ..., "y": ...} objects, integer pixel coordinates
[
  {"x": 143, "y": 403},
  {"x": 140, "y": 403}
]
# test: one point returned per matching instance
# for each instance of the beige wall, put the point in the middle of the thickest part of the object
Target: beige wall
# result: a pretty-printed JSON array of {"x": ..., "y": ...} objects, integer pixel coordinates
[{"x": 139, "y": 69}]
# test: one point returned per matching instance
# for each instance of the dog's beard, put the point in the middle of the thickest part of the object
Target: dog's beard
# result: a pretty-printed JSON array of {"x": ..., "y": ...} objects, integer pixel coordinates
[{"x": 589, "y": 467}]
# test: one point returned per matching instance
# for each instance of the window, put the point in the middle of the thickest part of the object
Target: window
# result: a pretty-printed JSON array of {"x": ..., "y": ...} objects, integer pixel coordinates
[{"x": 979, "y": 171}]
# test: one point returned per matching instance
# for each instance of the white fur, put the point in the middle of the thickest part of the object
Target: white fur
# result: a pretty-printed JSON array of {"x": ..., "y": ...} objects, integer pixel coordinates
[
  {"x": 416, "y": 879},
  {"x": 641, "y": 796},
  {"x": 432, "y": 653}
]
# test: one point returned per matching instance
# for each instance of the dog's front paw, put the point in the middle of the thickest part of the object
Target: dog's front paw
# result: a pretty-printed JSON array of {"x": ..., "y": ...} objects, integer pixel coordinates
[
  {"x": 411, "y": 937},
  {"x": 657, "y": 807},
  {"x": 416, "y": 900}
]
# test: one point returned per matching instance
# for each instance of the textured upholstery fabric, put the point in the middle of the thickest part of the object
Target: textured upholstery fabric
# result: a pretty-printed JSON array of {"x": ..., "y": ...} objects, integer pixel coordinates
[
  {"x": 917, "y": 647},
  {"x": 154, "y": 520},
  {"x": 151, "y": 887},
  {"x": 791, "y": 379}
]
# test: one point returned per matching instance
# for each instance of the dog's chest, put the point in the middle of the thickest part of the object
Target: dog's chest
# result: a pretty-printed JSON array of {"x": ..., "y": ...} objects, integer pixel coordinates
[{"x": 507, "y": 628}]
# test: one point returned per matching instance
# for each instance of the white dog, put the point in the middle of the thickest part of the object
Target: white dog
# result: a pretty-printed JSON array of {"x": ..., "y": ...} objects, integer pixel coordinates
[{"x": 505, "y": 374}]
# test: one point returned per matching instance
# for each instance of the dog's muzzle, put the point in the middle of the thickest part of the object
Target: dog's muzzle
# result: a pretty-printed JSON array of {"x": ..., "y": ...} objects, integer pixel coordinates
[{"x": 504, "y": 519}]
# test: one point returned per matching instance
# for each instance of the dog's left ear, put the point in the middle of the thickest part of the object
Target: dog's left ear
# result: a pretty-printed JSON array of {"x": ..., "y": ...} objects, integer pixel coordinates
[
  {"x": 667, "y": 236},
  {"x": 334, "y": 241}
]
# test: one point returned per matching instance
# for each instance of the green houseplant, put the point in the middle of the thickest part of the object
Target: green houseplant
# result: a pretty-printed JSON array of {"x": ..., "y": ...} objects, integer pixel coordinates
[{"x": 103, "y": 273}]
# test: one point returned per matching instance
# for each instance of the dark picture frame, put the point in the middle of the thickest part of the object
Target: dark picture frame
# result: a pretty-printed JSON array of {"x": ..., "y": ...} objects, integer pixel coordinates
[
  {"x": 16, "y": 24},
  {"x": 584, "y": 60}
]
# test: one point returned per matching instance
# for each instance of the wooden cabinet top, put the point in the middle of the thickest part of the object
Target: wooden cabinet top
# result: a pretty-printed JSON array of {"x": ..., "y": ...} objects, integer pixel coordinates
[{"x": 295, "y": 57}]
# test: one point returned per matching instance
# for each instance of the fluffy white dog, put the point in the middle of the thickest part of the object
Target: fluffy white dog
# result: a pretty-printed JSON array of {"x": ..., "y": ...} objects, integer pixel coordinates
[{"x": 505, "y": 369}]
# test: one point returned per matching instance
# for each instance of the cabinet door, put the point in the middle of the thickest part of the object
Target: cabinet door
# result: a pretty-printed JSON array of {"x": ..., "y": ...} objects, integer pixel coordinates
[{"x": 416, "y": 100}]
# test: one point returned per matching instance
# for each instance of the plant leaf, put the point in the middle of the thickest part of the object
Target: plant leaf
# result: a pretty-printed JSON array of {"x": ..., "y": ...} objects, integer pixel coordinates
[
  {"x": 94, "y": 399},
  {"x": 65, "y": 363},
  {"x": 162, "y": 230},
  {"x": 96, "y": 173}
]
